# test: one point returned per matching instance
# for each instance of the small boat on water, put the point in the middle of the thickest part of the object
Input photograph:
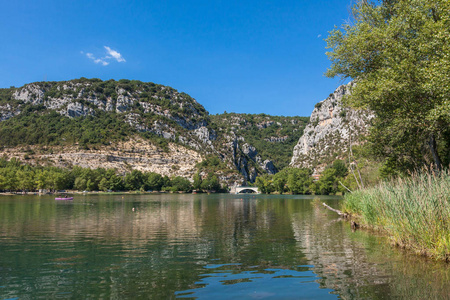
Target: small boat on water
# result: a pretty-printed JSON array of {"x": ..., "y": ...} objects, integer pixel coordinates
[{"x": 64, "y": 198}]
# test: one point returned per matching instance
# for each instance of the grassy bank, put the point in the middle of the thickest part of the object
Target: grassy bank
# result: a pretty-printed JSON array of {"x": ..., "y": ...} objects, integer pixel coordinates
[{"x": 414, "y": 212}]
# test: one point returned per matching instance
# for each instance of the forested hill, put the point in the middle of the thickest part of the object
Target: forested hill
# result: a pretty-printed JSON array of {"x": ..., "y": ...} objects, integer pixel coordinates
[
  {"x": 271, "y": 136},
  {"x": 129, "y": 124}
]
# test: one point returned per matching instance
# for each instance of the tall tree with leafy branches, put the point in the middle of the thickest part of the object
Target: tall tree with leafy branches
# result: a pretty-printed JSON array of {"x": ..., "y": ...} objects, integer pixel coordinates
[{"x": 398, "y": 54}]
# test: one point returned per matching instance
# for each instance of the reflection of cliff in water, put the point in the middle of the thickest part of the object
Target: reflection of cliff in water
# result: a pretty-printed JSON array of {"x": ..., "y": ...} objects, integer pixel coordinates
[
  {"x": 160, "y": 244},
  {"x": 359, "y": 265}
]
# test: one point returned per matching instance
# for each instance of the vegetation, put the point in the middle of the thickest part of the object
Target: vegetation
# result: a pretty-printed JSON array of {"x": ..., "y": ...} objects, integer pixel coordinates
[
  {"x": 397, "y": 53},
  {"x": 413, "y": 211},
  {"x": 274, "y": 137},
  {"x": 39, "y": 124},
  {"x": 18, "y": 177},
  {"x": 300, "y": 181},
  {"x": 15, "y": 177},
  {"x": 112, "y": 111}
]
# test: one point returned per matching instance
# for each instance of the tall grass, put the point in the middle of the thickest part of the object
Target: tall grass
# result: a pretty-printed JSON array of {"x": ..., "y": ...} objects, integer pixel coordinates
[{"x": 415, "y": 212}]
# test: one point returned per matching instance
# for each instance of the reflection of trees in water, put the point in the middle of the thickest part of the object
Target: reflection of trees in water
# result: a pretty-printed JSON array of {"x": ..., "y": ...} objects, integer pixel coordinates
[
  {"x": 358, "y": 265},
  {"x": 105, "y": 249}
]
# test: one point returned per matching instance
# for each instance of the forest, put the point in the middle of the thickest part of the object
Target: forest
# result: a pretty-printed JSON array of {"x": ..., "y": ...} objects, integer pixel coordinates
[{"x": 16, "y": 176}]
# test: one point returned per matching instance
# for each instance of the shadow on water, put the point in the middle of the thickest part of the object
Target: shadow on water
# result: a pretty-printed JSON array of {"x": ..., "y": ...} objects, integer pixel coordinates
[{"x": 200, "y": 246}]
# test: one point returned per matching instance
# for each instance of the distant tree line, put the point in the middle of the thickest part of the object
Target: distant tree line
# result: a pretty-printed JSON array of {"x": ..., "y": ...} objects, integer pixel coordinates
[
  {"x": 17, "y": 177},
  {"x": 300, "y": 181}
]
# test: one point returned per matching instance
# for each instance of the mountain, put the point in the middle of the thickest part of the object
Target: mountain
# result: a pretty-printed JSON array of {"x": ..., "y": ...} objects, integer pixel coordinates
[
  {"x": 330, "y": 132},
  {"x": 129, "y": 124},
  {"x": 258, "y": 144}
]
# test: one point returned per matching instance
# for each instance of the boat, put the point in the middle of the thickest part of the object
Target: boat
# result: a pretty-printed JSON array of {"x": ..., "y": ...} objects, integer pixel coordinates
[{"x": 64, "y": 198}]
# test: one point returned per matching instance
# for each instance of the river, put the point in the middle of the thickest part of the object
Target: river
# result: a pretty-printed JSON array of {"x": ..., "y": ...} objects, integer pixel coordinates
[{"x": 183, "y": 246}]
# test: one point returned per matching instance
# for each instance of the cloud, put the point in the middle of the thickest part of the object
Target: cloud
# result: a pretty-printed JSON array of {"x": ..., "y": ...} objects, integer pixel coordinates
[
  {"x": 105, "y": 60},
  {"x": 319, "y": 36},
  {"x": 115, "y": 54}
]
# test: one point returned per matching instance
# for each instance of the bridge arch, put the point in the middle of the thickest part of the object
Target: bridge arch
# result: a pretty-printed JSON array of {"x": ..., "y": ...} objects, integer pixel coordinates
[{"x": 241, "y": 189}]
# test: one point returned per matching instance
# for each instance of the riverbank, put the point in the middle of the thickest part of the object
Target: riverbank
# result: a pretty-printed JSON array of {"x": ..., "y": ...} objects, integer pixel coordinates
[
  {"x": 76, "y": 192},
  {"x": 414, "y": 212}
]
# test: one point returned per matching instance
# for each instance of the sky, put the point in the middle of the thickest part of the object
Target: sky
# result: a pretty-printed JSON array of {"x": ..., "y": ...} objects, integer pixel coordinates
[{"x": 247, "y": 56}]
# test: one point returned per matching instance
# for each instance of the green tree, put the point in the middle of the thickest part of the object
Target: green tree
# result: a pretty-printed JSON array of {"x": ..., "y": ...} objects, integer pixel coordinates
[
  {"x": 154, "y": 181},
  {"x": 26, "y": 179},
  {"x": 327, "y": 182},
  {"x": 90, "y": 185},
  {"x": 197, "y": 181},
  {"x": 211, "y": 183},
  {"x": 280, "y": 180},
  {"x": 264, "y": 183},
  {"x": 115, "y": 183},
  {"x": 397, "y": 53},
  {"x": 103, "y": 184},
  {"x": 80, "y": 184},
  {"x": 299, "y": 180},
  {"x": 181, "y": 184},
  {"x": 134, "y": 180},
  {"x": 340, "y": 167}
]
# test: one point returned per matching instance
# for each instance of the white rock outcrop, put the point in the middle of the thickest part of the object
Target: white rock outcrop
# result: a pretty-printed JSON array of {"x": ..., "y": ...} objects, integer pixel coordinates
[{"x": 330, "y": 131}]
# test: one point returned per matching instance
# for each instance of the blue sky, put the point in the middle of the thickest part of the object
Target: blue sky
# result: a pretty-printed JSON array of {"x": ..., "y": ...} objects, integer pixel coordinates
[{"x": 252, "y": 56}]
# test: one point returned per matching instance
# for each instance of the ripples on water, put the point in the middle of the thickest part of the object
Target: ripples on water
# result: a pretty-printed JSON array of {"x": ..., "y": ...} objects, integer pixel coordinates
[
  {"x": 231, "y": 282},
  {"x": 200, "y": 247}
]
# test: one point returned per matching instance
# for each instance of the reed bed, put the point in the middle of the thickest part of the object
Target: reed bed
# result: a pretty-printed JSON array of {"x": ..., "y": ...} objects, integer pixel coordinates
[{"x": 413, "y": 211}]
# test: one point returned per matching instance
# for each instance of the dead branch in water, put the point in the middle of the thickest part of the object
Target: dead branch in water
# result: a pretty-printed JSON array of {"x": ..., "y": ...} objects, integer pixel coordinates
[
  {"x": 335, "y": 210},
  {"x": 353, "y": 224}
]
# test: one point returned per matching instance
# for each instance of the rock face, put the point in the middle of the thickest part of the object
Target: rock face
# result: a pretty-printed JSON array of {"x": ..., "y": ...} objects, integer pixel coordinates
[
  {"x": 122, "y": 156},
  {"x": 330, "y": 131},
  {"x": 149, "y": 108},
  {"x": 129, "y": 98}
]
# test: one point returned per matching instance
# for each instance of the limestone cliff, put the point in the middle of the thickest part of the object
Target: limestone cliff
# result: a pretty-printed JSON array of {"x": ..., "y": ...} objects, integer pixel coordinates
[
  {"x": 331, "y": 129},
  {"x": 135, "y": 154},
  {"x": 257, "y": 144},
  {"x": 128, "y": 124},
  {"x": 148, "y": 107}
]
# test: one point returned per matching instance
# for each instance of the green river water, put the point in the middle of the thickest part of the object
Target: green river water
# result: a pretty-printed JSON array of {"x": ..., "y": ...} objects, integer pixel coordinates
[{"x": 182, "y": 246}]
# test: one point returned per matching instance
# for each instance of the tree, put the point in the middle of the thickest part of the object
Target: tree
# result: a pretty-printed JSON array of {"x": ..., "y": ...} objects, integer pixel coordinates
[
  {"x": 197, "y": 181},
  {"x": 116, "y": 183},
  {"x": 134, "y": 180},
  {"x": 26, "y": 180},
  {"x": 327, "y": 183},
  {"x": 264, "y": 183},
  {"x": 397, "y": 53},
  {"x": 80, "y": 184},
  {"x": 340, "y": 167},
  {"x": 279, "y": 181},
  {"x": 181, "y": 184},
  {"x": 211, "y": 183},
  {"x": 154, "y": 181},
  {"x": 299, "y": 180},
  {"x": 103, "y": 184}
]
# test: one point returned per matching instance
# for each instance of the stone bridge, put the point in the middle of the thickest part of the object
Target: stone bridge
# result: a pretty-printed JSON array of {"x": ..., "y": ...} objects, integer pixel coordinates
[{"x": 240, "y": 189}]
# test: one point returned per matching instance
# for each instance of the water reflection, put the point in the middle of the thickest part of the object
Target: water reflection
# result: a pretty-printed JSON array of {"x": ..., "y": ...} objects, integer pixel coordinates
[
  {"x": 199, "y": 246},
  {"x": 231, "y": 282}
]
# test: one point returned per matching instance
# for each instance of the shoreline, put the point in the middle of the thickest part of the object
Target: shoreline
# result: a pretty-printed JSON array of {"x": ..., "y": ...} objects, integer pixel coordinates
[{"x": 413, "y": 213}]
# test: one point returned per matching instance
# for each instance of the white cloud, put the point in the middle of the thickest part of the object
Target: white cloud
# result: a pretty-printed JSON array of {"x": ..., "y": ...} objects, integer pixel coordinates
[
  {"x": 115, "y": 54},
  {"x": 104, "y": 61},
  {"x": 101, "y": 61},
  {"x": 319, "y": 36}
]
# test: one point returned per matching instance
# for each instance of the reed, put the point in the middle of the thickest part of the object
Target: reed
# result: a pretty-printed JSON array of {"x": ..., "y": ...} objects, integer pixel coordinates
[{"x": 413, "y": 211}]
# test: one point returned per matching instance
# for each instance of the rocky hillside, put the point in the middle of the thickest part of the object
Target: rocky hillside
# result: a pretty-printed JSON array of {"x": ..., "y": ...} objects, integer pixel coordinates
[
  {"x": 129, "y": 124},
  {"x": 146, "y": 107},
  {"x": 331, "y": 130},
  {"x": 258, "y": 144}
]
